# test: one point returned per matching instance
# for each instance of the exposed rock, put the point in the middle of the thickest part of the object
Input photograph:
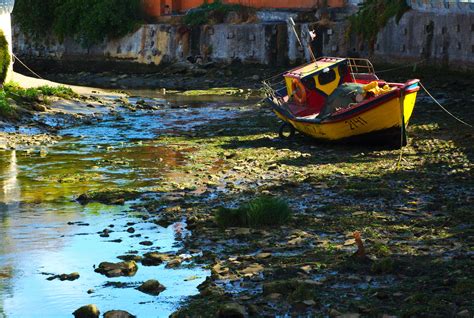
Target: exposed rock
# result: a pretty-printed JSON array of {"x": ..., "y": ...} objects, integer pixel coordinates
[
  {"x": 264, "y": 255},
  {"x": 111, "y": 196},
  {"x": 118, "y": 314},
  {"x": 252, "y": 270},
  {"x": 88, "y": 311},
  {"x": 232, "y": 310},
  {"x": 463, "y": 314},
  {"x": 151, "y": 287},
  {"x": 63, "y": 277},
  {"x": 39, "y": 107},
  {"x": 153, "y": 259},
  {"x": 349, "y": 315},
  {"x": 130, "y": 257},
  {"x": 117, "y": 269},
  {"x": 146, "y": 243},
  {"x": 174, "y": 263}
]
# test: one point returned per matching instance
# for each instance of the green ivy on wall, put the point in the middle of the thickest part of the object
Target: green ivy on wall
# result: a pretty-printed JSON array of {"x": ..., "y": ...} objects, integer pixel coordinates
[
  {"x": 373, "y": 15},
  {"x": 4, "y": 57},
  {"x": 88, "y": 22}
]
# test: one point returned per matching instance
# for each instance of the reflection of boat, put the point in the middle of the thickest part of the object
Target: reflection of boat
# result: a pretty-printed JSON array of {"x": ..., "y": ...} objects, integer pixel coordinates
[{"x": 342, "y": 98}]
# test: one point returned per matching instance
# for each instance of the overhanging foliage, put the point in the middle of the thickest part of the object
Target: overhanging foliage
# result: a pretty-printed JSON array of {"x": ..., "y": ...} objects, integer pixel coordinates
[{"x": 87, "y": 21}]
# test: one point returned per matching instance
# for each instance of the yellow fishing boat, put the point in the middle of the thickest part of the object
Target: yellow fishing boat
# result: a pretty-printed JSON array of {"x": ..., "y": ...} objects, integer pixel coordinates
[{"x": 342, "y": 98}]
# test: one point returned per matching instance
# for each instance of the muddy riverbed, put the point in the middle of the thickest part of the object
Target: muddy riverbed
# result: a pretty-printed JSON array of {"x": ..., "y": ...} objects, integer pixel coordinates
[
  {"x": 45, "y": 232},
  {"x": 163, "y": 172}
]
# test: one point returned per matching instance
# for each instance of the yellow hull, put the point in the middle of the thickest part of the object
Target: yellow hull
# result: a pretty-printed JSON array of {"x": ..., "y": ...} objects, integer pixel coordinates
[{"x": 382, "y": 117}]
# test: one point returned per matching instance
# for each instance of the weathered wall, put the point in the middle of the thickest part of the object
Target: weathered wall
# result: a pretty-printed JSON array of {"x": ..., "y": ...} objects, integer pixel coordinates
[
  {"x": 162, "y": 43},
  {"x": 444, "y": 37},
  {"x": 441, "y": 37},
  {"x": 459, "y": 6},
  {"x": 5, "y": 26}
]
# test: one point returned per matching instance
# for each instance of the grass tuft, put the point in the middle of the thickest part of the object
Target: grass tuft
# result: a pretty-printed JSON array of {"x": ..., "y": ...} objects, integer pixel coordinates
[
  {"x": 32, "y": 94},
  {"x": 261, "y": 211}
]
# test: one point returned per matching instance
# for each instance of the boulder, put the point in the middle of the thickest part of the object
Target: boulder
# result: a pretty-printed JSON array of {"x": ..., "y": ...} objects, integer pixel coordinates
[
  {"x": 88, "y": 311},
  {"x": 117, "y": 269},
  {"x": 118, "y": 314},
  {"x": 153, "y": 259},
  {"x": 151, "y": 287},
  {"x": 232, "y": 310}
]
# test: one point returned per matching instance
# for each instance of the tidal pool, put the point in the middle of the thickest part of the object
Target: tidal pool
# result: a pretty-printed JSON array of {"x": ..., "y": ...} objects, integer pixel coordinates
[{"x": 43, "y": 231}]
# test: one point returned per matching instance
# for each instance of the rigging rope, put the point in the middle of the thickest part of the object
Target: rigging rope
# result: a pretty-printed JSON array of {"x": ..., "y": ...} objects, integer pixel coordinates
[
  {"x": 29, "y": 69},
  {"x": 443, "y": 108},
  {"x": 401, "y": 67}
]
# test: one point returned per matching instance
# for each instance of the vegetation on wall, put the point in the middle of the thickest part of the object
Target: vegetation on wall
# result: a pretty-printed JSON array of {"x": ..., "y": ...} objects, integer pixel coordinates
[
  {"x": 373, "y": 15},
  {"x": 215, "y": 12},
  {"x": 87, "y": 21},
  {"x": 4, "y": 57}
]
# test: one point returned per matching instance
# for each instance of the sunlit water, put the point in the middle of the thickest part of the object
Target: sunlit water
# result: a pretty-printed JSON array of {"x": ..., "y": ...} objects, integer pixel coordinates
[{"x": 39, "y": 232}]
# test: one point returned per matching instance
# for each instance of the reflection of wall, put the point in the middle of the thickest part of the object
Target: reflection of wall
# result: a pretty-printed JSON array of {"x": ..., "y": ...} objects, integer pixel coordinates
[{"x": 5, "y": 26}]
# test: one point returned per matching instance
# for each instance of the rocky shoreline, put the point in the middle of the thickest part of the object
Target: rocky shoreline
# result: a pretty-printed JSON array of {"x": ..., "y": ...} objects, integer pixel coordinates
[
  {"x": 179, "y": 76},
  {"x": 414, "y": 222}
]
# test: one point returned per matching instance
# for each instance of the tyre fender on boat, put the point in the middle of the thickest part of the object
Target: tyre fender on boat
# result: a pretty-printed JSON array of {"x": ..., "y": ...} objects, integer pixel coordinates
[{"x": 286, "y": 131}]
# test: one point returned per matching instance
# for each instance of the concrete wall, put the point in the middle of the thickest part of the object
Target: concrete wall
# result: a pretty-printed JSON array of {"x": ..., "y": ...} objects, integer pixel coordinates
[
  {"x": 5, "y": 26},
  {"x": 445, "y": 37},
  {"x": 441, "y": 37},
  {"x": 162, "y": 43},
  {"x": 459, "y": 6}
]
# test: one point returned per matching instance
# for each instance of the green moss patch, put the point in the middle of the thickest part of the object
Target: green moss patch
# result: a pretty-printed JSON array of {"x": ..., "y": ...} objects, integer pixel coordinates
[{"x": 262, "y": 211}]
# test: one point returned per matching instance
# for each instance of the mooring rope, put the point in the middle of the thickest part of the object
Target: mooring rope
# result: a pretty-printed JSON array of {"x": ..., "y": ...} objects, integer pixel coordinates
[
  {"x": 26, "y": 66},
  {"x": 414, "y": 65},
  {"x": 443, "y": 108}
]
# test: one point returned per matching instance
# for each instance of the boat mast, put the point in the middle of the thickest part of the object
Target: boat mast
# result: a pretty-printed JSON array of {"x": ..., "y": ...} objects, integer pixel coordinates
[{"x": 293, "y": 27}]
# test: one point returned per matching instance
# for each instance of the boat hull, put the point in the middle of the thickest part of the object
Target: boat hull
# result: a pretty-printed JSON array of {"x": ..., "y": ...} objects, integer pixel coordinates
[{"x": 380, "y": 118}]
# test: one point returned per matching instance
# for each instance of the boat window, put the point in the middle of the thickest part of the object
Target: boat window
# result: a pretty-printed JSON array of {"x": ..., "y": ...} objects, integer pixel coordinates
[{"x": 327, "y": 77}]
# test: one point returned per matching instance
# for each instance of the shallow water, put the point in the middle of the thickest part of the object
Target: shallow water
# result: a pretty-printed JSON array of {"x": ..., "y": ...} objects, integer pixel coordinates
[{"x": 44, "y": 231}]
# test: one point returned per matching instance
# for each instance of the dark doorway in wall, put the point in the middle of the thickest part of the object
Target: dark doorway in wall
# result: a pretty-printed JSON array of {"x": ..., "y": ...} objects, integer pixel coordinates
[
  {"x": 429, "y": 31},
  {"x": 317, "y": 42}
]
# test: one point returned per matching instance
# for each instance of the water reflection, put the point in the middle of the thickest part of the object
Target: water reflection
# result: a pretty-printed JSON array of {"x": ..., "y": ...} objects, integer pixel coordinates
[
  {"x": 11, "y": 194},
  {"x": 39, "y": 231}
]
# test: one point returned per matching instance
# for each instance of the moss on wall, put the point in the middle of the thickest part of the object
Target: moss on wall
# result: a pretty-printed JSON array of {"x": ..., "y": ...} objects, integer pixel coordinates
[
  {"x": 373, "y": 15},
  {"x": 4, "y": 57}
]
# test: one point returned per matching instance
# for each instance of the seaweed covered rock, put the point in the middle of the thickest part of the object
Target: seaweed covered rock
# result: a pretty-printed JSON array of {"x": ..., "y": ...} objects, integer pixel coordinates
[
  {"x": 110, "y": 196},
  {"x": 117, "y": 269},
  {"x": 118, "y": 314},
  {"x": 151, "y": 287},
  {"x": 232, "y": 310},
  {"x": 88, "y": 311}
]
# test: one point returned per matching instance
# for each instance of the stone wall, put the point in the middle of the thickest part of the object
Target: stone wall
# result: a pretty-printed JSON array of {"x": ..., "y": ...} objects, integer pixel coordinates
[
  {"x": 441, "y": 37},
  {"x": 162, "y": 43}
]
